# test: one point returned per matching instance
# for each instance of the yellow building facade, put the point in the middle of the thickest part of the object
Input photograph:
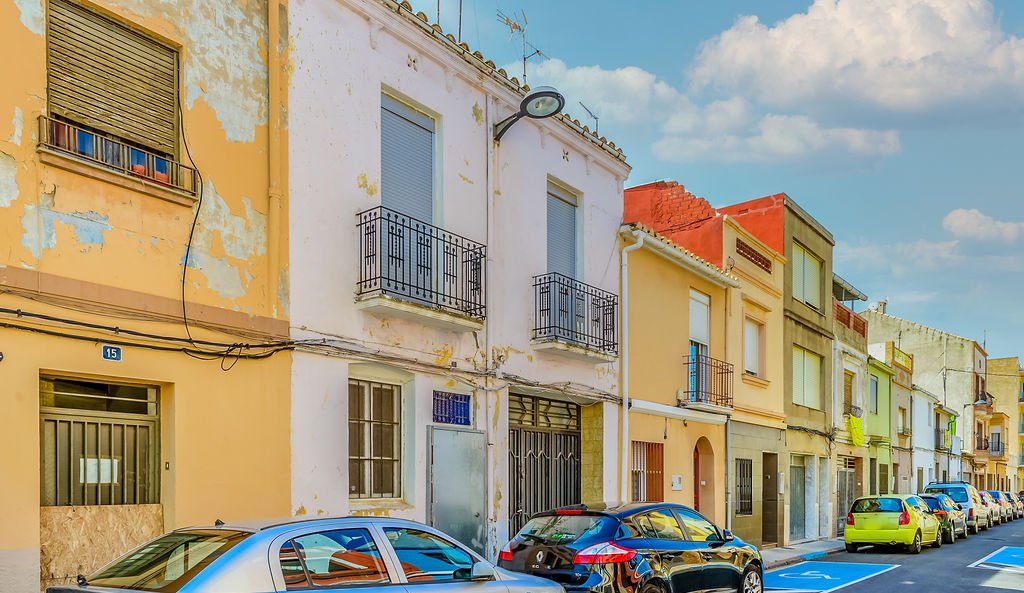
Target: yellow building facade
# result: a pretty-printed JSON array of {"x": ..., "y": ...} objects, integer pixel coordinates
[
  {"x": 1006, "y": 424},
  {"x": 679, "y": 385},
  {"x": 121, "y": 151}
]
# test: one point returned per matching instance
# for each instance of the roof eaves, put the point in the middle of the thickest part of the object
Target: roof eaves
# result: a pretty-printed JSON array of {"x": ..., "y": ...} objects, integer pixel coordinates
[{"x": 682, "y": 256}]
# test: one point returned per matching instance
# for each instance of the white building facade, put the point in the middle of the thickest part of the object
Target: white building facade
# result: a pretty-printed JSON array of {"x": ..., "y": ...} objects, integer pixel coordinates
[{"x": 457, "y": 297}]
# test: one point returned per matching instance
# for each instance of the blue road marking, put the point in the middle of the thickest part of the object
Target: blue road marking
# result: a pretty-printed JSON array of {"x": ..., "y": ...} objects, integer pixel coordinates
[
  {"x": 1008, "y": 558},
  {"x": 821, "y": 577}
]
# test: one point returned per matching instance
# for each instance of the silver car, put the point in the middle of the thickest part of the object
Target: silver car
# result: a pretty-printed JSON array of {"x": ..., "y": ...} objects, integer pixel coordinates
[{"x": 361, "y": 553}]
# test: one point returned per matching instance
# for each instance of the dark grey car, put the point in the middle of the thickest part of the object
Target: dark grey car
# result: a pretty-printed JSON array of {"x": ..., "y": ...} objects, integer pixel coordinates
[{"x": 355, "y": 554}]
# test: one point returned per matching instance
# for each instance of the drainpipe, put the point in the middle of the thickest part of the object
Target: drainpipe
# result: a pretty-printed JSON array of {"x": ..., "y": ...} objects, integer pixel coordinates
[
  {"x": 273, "y": 153},
  {"x": 728, "y": 468},
  {"x": 625, "y": 362}
]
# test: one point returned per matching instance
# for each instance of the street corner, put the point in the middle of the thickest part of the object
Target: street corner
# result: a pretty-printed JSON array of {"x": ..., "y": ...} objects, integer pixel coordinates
[
  {"x": 1008, "y": 558},
  {"x": 821, "y": 577}
]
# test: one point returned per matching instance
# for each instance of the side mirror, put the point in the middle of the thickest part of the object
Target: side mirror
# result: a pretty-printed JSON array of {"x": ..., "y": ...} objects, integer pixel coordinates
[
  {"x": 482, "y": 571},
  {"x": 727, "y": 536},
  {"x": 958, "y": 507}
]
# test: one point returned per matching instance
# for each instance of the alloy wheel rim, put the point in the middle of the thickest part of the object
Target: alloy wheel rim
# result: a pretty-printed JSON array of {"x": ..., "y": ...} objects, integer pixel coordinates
[{"x": 752, "y": 584}]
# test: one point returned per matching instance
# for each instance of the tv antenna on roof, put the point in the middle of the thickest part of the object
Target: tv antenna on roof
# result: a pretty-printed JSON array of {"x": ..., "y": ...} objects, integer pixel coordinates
[
  {"x": 519, "y": 28},
  {"x": 592, "y": 116}
]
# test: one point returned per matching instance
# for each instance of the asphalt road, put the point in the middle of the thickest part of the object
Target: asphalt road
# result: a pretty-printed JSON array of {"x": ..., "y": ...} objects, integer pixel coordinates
[{"x": 946, "y": 569}]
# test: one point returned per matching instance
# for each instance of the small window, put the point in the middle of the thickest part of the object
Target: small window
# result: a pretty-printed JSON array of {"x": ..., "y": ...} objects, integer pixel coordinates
[
  {"x": 806, "y": 277},
  {"x": 338, "y": 558},
  {"x": 806, "y": 378},
  {"x": 753, "y": 347},
  {"x": 697, "y": 528},
  {"x": 873, "y": 393},
  {"x": 744, "y": 487},
  {"x": 426, "y": 557},
  {"x": 374, "y": 437},
  {"x": 659, "y": 525}
]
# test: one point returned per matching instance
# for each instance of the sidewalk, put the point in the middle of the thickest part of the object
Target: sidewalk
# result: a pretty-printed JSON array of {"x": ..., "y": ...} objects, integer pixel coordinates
[{"x": 776, "y": 557}]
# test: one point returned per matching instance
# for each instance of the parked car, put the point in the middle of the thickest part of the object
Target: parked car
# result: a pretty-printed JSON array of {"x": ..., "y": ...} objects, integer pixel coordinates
[
  {"x": 995, "y": 510},
  {"x": 952, "y": 520},
  {"x": 896, "y": 519},
  {"x": 1005, "y": 505},
  {"x": 1018, "y": 503},
  {"x": 969, "y": 498},
  {"x": 360, "y": 553},
  {"x": 638, "y": 547}
]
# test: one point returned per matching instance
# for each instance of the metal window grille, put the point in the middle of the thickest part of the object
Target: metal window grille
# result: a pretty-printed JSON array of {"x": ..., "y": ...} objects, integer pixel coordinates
[
  {"x": 375, "y": 439},
  {"x": 453, "y": 408},
  {"x": 99, "y": 443},
  {"x": 744, "y": 487},
  {"x": 570, "y": 311},
  {"x": 406, "y": 258},
  {"x": 648, "y": 472}
]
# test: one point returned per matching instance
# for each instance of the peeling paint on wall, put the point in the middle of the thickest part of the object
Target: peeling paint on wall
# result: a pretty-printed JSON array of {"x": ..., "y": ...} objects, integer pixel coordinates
[
  {"x": 283, "y": 296},
  {"x": 31, "y": 14},
  {"x": 8, "y": 182},
  {"x": 363, "y": 183},
  {"x": 242, "y": 237},
  {"x": 17, "y": 124},
  {"x": 39, "y": 222},
  {"x": 224, "y": 65},
  {"x": 478, "y": 114}
]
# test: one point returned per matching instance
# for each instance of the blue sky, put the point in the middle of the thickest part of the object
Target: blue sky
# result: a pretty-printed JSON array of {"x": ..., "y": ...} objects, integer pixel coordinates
[{"x": 898, "y": 124}]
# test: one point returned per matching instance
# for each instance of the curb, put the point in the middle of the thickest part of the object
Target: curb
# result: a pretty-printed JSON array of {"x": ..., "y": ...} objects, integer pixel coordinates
[{"x": 802, "y": 558}]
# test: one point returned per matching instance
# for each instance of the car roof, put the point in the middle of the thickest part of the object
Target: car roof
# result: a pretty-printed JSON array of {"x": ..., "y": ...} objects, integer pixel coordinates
[
  {"x": 899, "y": 496},
  {"x": 616, "y": 510},
  {"x": 257, "y": 525}
]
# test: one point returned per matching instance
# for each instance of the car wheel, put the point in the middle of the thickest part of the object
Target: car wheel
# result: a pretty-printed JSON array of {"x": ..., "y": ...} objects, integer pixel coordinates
[
  {"x": 949, "y": 536},
  {"x": 977, "y": 526},
  {"x": 851, "y": 548},
  {"x": 915, "y": 548},
  {"x": 967, "y": 530},
  {"x": 939, "y": 536},
  {"x": 652, "y": 588},
  {"x": 751, "y": 581}
]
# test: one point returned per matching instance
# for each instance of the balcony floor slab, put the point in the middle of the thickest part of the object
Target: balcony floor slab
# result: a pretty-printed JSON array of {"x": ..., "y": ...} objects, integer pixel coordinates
[{"x": 387, "y": 306}]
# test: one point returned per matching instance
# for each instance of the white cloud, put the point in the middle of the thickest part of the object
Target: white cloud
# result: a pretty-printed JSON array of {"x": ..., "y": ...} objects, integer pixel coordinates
[
  {"x": 893, "y": 57},
  {"x": 726, "y": 130},
  {"x": 973, "y": 224},
  {"x": 900, "y": 259}
]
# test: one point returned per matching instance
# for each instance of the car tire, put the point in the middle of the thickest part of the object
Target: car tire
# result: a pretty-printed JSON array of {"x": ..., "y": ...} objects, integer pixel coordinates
[
  {"x": 949, "y": 536},
  {"x": 851, "y": 548},
  {"x": 915, "y": 548},
  {"x": 977, "y": 526},
  {"x": 967, "y": 530},
  {"x": 652, "y": 587},
  {"x": 938, "y": 538},
  {"x": 751, "y": 581}
]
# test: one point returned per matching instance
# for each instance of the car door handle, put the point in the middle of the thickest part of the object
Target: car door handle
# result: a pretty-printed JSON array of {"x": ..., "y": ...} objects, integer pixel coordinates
[{"x": 705, "y": 555}]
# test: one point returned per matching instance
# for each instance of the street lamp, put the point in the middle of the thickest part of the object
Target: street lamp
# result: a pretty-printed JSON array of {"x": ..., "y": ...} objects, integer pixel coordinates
[{"x": 539, "y": 103}]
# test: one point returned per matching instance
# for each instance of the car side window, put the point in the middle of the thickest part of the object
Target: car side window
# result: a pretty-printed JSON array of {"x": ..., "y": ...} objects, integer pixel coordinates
[
  {"x": 426, "y": 557},
  {"x": 697, "y": 528},
  {"x": 659, "y": 525},
  {"x": 337, "y": 558}
]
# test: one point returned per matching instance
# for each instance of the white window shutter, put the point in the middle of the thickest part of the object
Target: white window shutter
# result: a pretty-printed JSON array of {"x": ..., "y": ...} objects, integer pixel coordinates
[
  {"x": 407, "y": 160},
  {"x": 700, "y": 317}
]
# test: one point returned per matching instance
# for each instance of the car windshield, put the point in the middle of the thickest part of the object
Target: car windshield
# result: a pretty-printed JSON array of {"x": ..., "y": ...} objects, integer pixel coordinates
[
  {"x": 878, "y": 505},
  {"x": 933, "y": 503},
  {"x": 957, "y": 494},
  {"x": 565, "y": 529},
  {"x": 167, "y": 563}
]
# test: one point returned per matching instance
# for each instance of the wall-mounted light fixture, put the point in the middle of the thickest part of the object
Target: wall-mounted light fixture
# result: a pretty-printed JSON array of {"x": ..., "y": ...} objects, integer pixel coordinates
[{"x": 541, "y": 102}]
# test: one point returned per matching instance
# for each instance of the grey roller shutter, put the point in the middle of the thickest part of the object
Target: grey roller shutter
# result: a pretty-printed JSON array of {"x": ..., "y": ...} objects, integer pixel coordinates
[
  {"x": 407, "y": 160},
  {"x": 105, "y": 75},
  {"x": 561, "y": 232}
]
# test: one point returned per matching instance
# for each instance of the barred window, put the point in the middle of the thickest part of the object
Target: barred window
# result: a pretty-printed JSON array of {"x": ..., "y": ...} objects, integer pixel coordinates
[
  {"x": 648, "y": 474},
  {"x": 99, "y": 443},
  {"x": 374, "y": 439},
  {"x": 744, "y": 487}
]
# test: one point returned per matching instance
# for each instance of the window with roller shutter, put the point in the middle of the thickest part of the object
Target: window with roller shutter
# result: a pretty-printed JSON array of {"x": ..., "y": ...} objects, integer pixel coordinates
[{"x": 111, "y": 78}]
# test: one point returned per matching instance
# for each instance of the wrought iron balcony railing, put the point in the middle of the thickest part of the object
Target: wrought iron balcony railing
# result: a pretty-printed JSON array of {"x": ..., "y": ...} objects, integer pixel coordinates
[
  {"x": 116, "y": 155},
  {"x": 709, "y": 381},
  {"x": 941, "y": 439},
  {"x": 851, "y": 410},
  {"x": 981, "y": 444},
  {"x": 408, "y": 259},
  {"x": 575, "y": 313},
  {"x": 996, "y": 447}
]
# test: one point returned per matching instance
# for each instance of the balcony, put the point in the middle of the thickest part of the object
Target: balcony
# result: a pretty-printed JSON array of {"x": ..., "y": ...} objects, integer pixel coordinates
[
  {"x": 904, "y": 431},
  {"x": 709, "y": 384},
  {"x": 845, "y": 317},
  {"x": 984, "y": 408},
  {"x": 574, "y": 318},
  {"x": 997, "y": 448},
  {"x": 851, "y": 410},
  {"x": 411, "y": 269},
  {"x": 114, "y": 158},
  {"x": 942, "y": 440}
]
